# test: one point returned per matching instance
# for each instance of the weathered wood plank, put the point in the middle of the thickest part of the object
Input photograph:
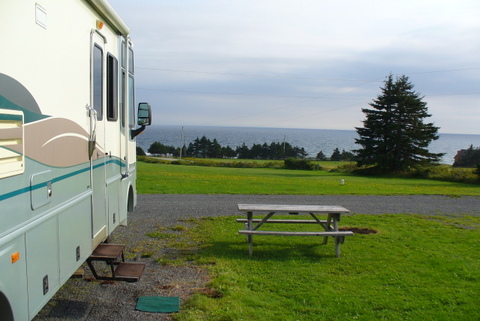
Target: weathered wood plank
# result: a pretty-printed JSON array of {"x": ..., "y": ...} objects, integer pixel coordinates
[
  {"x": 327, "y": 233},
  {"x": 255, "y": 220},
  {"x": 294, "y": 209}
]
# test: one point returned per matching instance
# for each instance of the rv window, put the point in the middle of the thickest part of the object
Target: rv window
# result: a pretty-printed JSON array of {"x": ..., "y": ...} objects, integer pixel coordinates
[
  {"x": 98, "y": 81},
  {"x": 112, "y": 88},
  {"x": 122, "y": 85},
  {"x": 130, "y": 61},
  {"x": 131, "y": 103},
  {"x": 122, "y": 54},
  {"x": 122, "y": 98}
]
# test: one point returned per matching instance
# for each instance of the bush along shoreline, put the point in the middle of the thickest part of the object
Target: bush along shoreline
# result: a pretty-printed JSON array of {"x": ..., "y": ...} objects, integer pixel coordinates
[{"x": 205, "y": 148}]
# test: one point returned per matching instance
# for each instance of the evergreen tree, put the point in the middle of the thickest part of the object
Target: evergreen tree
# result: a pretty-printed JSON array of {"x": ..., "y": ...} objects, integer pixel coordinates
[
  {"x": 336, "y": 156},
  {"x": 140, "y": 151},
  {"x": 215, "y": 149},
  {"x": 257, "y": 151},
  {"x": 157, "y": 148},
  {"x": 205, "y": 147},
  {"x": 228, "y": 152},
  {"x": 321, "y": 156},
  {"x": 346, "y": 156},
  {"x": 243, "y": 152},
  {"x": 275, "y": 150},
  {"x": 394, "y": 136},
  {"x": 302, "y": 153}
]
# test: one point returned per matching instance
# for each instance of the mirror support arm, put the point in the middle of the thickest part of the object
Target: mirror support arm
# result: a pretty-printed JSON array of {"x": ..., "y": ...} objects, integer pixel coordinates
[{"x": 136, "y": 132}]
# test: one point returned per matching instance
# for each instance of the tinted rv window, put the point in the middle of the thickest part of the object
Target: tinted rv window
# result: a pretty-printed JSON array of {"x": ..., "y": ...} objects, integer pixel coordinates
[
  {"x": 122, "y": 98},
  {"x": 112, "y": 88},
  {"x": 97, "y": 81},
  {"x": 131, "y": 103},
  {"x": 122, "y": 84},
  {"x": 122, "y": 55},
  {"x": 131, "y": 89}
]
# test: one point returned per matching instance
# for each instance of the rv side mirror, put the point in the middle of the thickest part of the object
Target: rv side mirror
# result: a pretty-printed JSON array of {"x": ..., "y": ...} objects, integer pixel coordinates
[
  {"x": 144, "y": 114},
  {"x": 144, "y": 118}
]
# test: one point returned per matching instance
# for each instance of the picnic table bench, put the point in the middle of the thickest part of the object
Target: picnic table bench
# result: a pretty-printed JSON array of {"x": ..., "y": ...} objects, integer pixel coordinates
[{"x": 330, "y": 225}]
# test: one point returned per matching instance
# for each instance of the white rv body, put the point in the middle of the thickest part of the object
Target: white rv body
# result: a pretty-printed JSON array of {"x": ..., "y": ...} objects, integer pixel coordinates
[{"x": 67, "y": 156}]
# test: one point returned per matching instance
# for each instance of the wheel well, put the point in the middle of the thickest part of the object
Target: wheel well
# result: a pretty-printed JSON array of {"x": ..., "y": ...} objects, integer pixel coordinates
[
  {"x": 131, "y": 200},
  {"x": 6, "y": 313}
]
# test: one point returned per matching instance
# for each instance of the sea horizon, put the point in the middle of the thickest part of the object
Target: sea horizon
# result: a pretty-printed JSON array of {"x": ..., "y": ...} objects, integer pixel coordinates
[
  {"x": 313, "y": 140},
  {"x": 296, "y": 128}
]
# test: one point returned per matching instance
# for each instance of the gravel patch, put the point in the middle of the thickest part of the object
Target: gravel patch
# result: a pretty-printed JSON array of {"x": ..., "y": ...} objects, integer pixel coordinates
[{"x": 87, "y": 299}]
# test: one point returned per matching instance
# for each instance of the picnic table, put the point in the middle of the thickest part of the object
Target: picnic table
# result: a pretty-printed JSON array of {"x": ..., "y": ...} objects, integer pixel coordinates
[{"x": 329, "y": 226}]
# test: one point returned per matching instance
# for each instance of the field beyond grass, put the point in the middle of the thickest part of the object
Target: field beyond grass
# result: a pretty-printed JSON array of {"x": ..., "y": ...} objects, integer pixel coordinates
[
  {"x": 414, "y": 268},
  {"x": 179, "y": 179}
]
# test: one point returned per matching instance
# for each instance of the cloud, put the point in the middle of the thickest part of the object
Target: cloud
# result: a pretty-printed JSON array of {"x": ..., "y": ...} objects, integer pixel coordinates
[{"x": 307, "y": 64}]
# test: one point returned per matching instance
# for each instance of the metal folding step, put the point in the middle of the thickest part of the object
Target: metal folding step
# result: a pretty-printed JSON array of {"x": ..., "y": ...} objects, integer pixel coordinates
[
  {"x": 112, "y": 255},
  {"x": 130, "y": 272}
]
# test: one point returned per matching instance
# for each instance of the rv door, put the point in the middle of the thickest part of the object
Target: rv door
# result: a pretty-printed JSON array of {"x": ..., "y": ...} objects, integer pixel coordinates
[{"x": 97, "y": 161}]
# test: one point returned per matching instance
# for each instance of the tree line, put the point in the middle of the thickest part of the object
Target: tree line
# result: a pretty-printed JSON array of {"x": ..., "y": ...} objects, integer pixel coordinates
[
  {"x": 206, "y": 148},
  {"x": 395, "y": 136}
]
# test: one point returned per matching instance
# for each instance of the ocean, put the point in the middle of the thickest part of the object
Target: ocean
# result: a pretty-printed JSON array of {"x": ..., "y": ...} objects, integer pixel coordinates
[{"x": 313, "y": 140}]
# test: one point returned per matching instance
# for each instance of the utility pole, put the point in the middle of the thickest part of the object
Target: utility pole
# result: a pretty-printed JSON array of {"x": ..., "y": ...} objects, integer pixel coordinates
[{"x": 181, "y": 142}]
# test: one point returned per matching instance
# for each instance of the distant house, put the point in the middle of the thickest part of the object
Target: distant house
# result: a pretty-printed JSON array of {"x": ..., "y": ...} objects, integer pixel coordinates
[
  {"x": 460, "y": 154},
  {"x": 467, "y": 157}
]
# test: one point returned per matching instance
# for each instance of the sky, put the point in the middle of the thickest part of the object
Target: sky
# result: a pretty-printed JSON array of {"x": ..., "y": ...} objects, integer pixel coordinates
[{"x": 304, "y": 63}]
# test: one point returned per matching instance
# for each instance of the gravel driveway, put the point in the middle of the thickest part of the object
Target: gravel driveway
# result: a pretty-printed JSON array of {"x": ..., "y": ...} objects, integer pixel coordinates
[
  {"x": 170, "y": 207},
  {"x": 83, "y": 300}
]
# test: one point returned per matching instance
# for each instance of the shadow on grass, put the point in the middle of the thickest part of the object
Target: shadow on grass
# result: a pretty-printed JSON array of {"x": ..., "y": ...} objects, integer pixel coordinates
[{"x": 264, "y": 250}]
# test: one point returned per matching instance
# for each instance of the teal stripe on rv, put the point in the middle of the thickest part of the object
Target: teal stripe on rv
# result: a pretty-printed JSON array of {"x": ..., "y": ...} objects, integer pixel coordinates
[{"x": 57, "y": 179}]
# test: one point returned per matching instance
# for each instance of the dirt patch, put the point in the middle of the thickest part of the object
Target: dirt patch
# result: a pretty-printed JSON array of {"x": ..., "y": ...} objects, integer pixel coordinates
[
  {"x": 211, "y": 293},
  {"x": 359, "y": 230}
]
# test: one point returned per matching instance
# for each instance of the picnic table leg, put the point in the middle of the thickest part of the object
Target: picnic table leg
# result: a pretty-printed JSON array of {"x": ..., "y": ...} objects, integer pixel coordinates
[
  {"x": 336, "y": 218},
  {"x": 250, "y": 237},
  {"x": 337, "y": 245},
  {"x": 338, "y": 239},
  {"x": 327, "y": 227}
]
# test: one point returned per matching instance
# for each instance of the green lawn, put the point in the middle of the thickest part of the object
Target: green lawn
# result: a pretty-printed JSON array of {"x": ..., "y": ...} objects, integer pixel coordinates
[
  {"x": 414, "y": 268},
  {"x": 179, "y": 179}
]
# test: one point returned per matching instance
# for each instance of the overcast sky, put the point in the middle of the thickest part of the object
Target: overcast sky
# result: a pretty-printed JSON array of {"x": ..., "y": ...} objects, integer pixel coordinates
[{"x": 304, "y": 63}]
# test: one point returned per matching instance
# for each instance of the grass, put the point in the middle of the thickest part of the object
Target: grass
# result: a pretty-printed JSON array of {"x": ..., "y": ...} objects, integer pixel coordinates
[
  {"x": 414, "y": 268},
  {"x": 175, "y": 179},
  {"x": 238, "y": 163},
  {"x": 258, "y": 163}
]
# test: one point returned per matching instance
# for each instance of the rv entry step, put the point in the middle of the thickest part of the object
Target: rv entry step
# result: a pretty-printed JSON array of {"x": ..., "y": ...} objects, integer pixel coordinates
[{"x": 112, "y": 255}]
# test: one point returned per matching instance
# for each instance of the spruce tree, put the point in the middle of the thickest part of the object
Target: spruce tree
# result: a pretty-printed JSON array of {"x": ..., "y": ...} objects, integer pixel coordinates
[
  {"x": 336, "y": 156},
  {"x": 321, "y": 156},
  {"x": 395, "y": 136}
]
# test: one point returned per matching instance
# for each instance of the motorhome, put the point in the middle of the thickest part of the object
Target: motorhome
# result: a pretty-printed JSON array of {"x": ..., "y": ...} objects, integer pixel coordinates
[{"x": 68, "y": 122}]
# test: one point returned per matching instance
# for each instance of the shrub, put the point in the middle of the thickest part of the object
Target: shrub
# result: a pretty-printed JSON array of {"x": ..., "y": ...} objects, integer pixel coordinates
[
  {"x": 346, "y": 168},
  {"x": 304, "y": 164}
]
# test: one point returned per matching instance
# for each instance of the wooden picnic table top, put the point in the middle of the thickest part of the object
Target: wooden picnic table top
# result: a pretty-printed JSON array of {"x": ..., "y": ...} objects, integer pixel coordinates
[{"x": 292, "y": 208}]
